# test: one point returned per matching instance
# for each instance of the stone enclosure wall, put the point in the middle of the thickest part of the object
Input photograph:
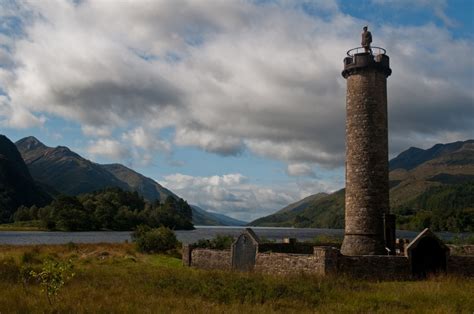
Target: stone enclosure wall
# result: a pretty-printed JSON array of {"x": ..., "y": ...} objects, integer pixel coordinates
[
  {"x": 324, "y": 261},
  {"x": 461, "y": 265},
  {"x": 210, "y": 259}
]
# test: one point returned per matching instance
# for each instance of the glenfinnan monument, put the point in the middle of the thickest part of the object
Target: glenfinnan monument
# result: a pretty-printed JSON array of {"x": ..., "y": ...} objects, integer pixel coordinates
[{"x": 370, "y": 228}]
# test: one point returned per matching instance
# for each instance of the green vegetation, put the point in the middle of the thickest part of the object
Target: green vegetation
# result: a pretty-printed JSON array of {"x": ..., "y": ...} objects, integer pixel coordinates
[
  {"x": 159, "y": 240},
  {"x": 116, "y": 278},
  {"x": 219, "y": 242},
  {"x": 446, "y": 207},
  {"x": 440, "y": 208},
  {"x": 428, "y": 188},
  {"x": 108, "y": 209},
  {"x": 52, "y": 277},
  {"x": 32, "y": 225}
]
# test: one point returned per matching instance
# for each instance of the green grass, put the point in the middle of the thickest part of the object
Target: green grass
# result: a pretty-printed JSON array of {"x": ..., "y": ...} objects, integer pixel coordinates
[
  {"x": 33, "y": 225},
  {"x": 115, "y": 278}
]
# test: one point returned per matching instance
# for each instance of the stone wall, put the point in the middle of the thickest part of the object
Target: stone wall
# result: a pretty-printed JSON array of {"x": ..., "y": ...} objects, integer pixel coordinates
[
  {"x": 323, "y": 261},
  {"x": 287, "y": 264},
  {"x": 211, "y": 259},
  {"x": 461, "y": 249},
  {"x": 295, "y": 248},
  {"x": 461, "y": 265},
  {"x": 375, "y": 266}
]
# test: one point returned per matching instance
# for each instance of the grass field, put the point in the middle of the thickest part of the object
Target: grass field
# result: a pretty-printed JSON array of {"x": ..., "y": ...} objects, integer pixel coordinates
[
  {"x": 115, "y": 278},
  {"x": 34, "y": 225}
]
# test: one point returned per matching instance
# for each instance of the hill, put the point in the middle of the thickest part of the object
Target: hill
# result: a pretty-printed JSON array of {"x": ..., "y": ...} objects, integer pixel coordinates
[
  {"x": 64, "y": 171},
  {"x": 71, "y": 174},
  {"x": 202, "y": 217},
  {"x": 17, "y": 186},
  {"x": 422, "y": 184}
]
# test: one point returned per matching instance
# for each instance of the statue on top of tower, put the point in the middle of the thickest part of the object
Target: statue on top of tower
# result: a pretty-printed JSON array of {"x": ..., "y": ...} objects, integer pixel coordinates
[{"x": 366, "y": 40}]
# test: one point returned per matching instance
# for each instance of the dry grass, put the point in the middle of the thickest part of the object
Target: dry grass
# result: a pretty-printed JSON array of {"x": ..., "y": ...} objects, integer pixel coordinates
[{"x": 115, "y": 278}]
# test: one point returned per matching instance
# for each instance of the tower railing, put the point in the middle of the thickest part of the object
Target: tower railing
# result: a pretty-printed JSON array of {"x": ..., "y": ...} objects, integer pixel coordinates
[{"x": 375, "y": 51}]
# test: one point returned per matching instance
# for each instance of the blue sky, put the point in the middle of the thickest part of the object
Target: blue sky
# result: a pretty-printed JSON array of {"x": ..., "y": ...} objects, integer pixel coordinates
[{"x": 237, "y": 106}]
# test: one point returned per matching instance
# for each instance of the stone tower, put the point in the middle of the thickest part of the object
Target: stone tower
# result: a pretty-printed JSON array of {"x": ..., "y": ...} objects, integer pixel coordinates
[{"x": 370, "y": 228}]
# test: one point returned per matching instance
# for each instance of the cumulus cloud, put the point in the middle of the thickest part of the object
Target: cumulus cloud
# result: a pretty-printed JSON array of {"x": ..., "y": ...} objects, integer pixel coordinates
[
  {"x": 300, "y": 170},
  {"x": 147, "y": 141},
  {"x": 102, "y": 131},
  {"x": 233, "y": 194},
  {"x": 107, "y": 148},
  {"x": 228, "y": 76}
]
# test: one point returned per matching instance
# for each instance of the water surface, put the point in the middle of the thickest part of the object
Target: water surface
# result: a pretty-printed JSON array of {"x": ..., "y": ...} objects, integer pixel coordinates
[{"x": 201, "y": 232}]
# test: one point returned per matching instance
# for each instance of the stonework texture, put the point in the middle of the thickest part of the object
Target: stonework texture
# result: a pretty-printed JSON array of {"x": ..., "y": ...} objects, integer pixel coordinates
[
  {"x": 367, "y": 198},
  {"x": 461, "y": 265},
  {"x": 378, "y": 266},
  {"x": 324, "y": 261},
  {"x": 287, "y": 264},
  {"x": 211, "y": 259}
]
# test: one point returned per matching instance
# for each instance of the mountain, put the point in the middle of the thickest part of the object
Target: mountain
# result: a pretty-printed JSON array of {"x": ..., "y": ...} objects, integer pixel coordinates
[
  {"x": 145, "y": 186},
  {"x": 17, "y": 186},
  {"x": 302, "y": 204},
  {"x": 71, "y": 174},
  {"x": 61, "y": 170},
  {"x": 422, "y": 183},
  {"x": 202, "y": 217},
  {"x": 413, "y": 157}
]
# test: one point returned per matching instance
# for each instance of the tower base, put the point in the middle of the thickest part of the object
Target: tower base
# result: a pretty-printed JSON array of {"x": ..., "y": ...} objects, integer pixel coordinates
[{"x": 363, "y": 244}]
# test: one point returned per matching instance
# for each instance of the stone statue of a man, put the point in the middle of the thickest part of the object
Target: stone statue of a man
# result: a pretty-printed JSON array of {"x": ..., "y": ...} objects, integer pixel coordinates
[{"x": 366, "y": 40}]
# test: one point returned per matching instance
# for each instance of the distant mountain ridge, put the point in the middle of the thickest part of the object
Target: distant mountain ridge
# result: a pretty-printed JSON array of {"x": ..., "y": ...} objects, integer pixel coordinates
[
  {"x": 202, "y": 217},
  {"x": 71, "y": 174},
  {"x": 64, "y": 171},
  {"x": 420, "y": 179},
  {"x": 17, "y": 186},
  {"x": 413, "y": 157}
]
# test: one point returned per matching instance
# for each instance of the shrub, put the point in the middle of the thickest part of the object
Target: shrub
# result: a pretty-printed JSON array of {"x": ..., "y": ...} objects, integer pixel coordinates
[
  {"x": 52, "y": 277},
  {"x": 157, "y": 240},
  {"x": 220, "y": 242}
]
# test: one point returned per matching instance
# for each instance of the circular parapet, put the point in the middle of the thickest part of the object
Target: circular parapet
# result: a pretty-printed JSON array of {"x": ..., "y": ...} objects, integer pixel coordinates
[
  {"x": 357, "y": 61},
  {"x": 375, "y": 51}
]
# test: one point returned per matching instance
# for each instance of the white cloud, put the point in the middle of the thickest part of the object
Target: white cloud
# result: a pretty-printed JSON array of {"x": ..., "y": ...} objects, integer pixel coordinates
[
  {"x": 233, "y": 195},
  {"x": 300, "y": 170},
  {"x": 146, "y": 140},
  {"x": 102, "y": 131},
  {"x": 227, "y": 75},
  {"x": 108, "y": 148},
  {"x": 18, "y": 117}
]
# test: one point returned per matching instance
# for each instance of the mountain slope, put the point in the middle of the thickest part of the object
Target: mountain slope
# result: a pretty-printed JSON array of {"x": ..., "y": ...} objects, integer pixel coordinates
[
  {"x": 17, "y": 186},
  {"x": 415, "y": 174},
  {"x": 413, "y": 157},
  {"x": 67, "y": 172},
  {"x": 205, "y": 218},
  {"x": 146, "y": 187},
  {"x": 302, "y": 204},
  {"x": 71, "y": 174}
]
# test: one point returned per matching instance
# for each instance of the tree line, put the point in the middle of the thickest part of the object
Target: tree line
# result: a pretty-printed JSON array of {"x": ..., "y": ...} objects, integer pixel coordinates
[{"x": 108, "y": 209}]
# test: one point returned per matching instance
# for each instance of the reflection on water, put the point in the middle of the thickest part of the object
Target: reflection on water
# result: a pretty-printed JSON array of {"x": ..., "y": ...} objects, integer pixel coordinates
[{"x": 201, "y": 232}]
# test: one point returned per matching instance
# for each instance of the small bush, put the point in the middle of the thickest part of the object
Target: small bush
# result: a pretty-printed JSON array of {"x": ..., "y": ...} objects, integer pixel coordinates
[
  {"x": 220, "y": 242},
  {"x": 150, "y": 240},
  {"x": 52, "y": 277}
]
